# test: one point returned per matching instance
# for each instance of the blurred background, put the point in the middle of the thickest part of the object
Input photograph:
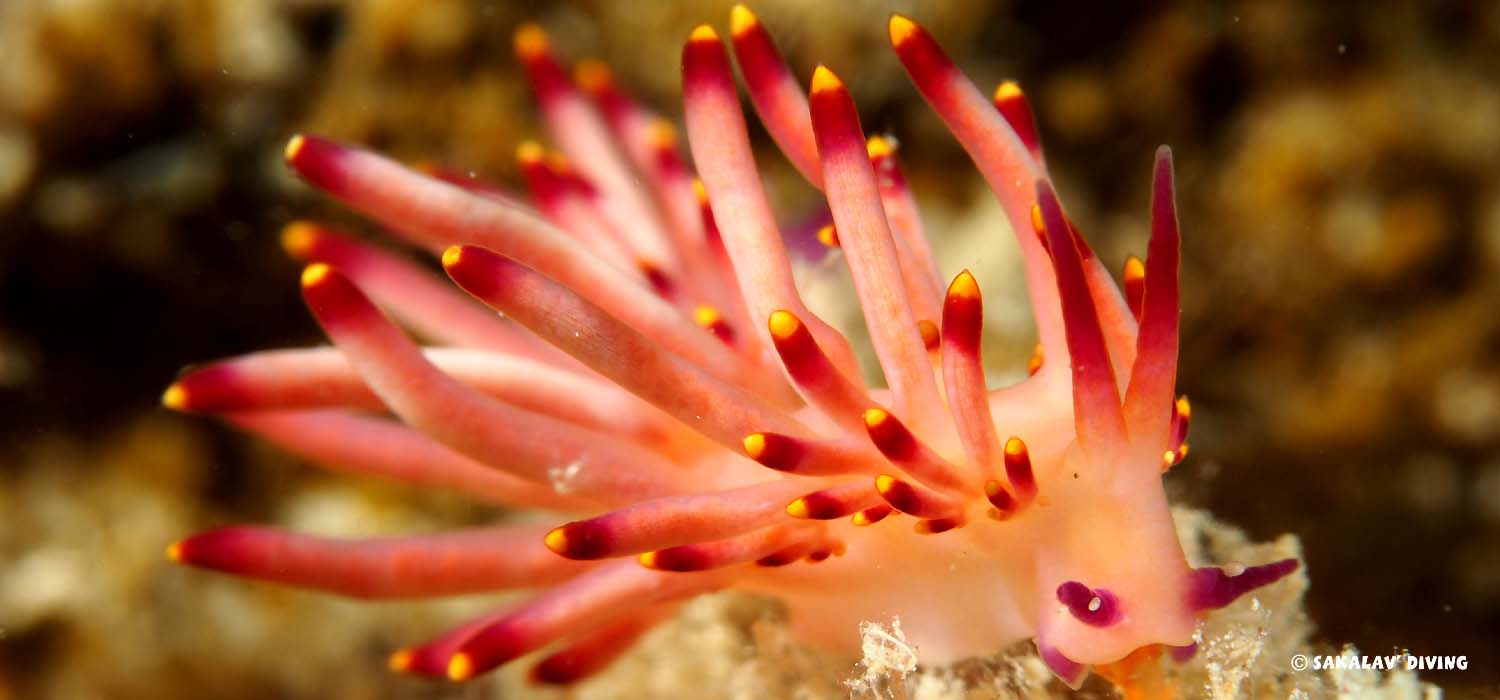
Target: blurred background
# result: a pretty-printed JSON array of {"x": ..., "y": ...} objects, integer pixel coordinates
[{"x": 1339, "y": 177}]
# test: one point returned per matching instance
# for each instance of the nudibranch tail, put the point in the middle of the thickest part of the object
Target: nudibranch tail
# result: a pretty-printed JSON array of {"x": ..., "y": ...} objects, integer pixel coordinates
[{"x": 654, "y": 376}]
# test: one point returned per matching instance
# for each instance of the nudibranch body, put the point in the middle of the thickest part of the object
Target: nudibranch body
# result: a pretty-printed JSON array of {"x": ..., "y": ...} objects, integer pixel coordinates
[{"x": 710, "y": 431}]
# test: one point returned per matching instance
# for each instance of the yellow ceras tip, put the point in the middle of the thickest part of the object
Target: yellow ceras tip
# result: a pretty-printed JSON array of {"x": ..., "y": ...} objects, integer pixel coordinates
[
  {"x": 700, "y": 191},
  {"x": 964, "y": 286},
  {"x": 400, "y": 661},
  {"x": 531, "y": 41},
  {"x": 294, "y": 146},
  {"x": 1015, "y": 447},
  {"x": 460, "y": 667},
  {"x": 557, "y": 539},
  {"x": 174, "y": 552},
  {"x": 1135, "y": 269},
  {"x": 530, "y": 152},
  {"x": 452, "y": 256},
  {"x": 706, "y": 316},
  {"x": 860, "y": 519},
  {"x": 315, "y": 274},
  {"x": 298, "y": 237},
  {"x": 876, "y": 417},
  {"x": 647, "y": 559},
  {"x": 932, "y": 336},
  {"x": 1184, "y": 408},
  {"x": 824, "y": 80},
  {"x": 755, "y": 445},
  {"x": 175, "y": 397},
  {"x": 1008, "y": 90},
  {"x": 884, "y": 483},
  {"x": 741, "y": 20},
  {"x": 703, "y": 32},
  {"x": 1038, "y": 224},
  {"x": 901, "y": 29},
  {"x": 797, "y": 508},
  {"x": 828, "y": 236},
  {"x": 663, "y": 133},
  {"x": 592, "y": 75},
  {"x": 879, "y": 147},
  {"x": 783, "y": 324}
]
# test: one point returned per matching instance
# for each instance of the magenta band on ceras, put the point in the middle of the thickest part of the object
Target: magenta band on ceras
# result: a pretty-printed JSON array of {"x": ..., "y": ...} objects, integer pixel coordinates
[
  {"x": 1012, "y": 104},
  {"x": 451, "y": 563},
  {"x": 416, "y": 297},
  {"x": 317, "y": 378},
  {"x": 816, "y": 378},
  {"x": 918, "y": 269},
  {"x": 740, "y": 549},
  {"x": 1096, "y": 396},
  {"x": 568, "y": 207},
  {"x": 719, "y": 410},
  {"x": 835, "y": 502},
  {"x": 351, "y": 443},
  {"x": 437, "y": 213},
  {"x": 650, "y": 142},
  {"x": 809, "y": 456},
  {"x": 854, "y": 199},
  {"x": 716, "y": 125},
  {"x": 920, "y": 501},
  {"x": 579, "y": 131},
  {"x": 963, "y": 373},
  {"x": 597, "y": 597},
  {"x": 1002, "y": 159},
  {"x": 905, "y": 450},
  {"x": 521, "y": 442},
  {"x": 775, "y": 93},
  {"x": 594, "y": 650},
  {"x": 783, "y": 108},
  {"x": 674, "y": 521}
]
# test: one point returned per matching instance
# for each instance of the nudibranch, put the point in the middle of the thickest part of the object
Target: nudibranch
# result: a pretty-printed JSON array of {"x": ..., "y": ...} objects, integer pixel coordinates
[{"x": 654, "y": 374}]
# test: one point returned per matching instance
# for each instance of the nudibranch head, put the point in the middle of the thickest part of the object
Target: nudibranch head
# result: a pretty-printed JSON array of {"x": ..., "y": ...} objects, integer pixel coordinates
[{"x": 655, "y": 371}]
